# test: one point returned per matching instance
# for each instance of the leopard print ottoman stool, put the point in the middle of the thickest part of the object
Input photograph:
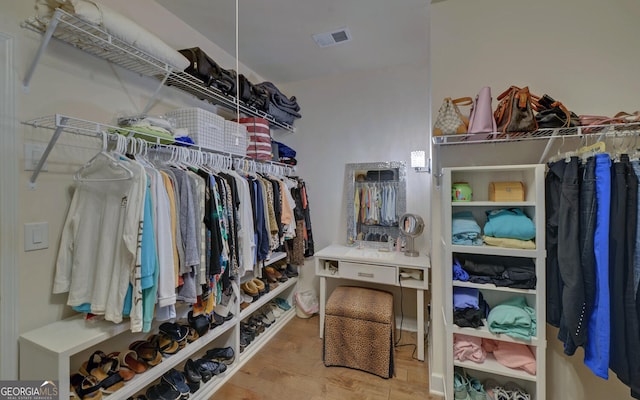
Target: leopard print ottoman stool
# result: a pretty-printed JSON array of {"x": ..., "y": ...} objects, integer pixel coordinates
[{"x": 358, "y": 330}]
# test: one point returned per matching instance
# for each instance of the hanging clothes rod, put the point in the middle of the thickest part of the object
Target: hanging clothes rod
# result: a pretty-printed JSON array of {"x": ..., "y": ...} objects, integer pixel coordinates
[{"x": 63, "y": 123}]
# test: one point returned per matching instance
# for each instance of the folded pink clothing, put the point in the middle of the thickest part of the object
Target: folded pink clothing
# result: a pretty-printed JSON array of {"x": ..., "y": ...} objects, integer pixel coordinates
[
  {"x": 467, "y": 347},
  {"x": 512, "y": 355}
]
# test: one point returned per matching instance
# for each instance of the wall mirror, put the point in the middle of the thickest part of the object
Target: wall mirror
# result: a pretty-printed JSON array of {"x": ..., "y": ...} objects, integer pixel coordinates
[{"x": 376, "y": 198}]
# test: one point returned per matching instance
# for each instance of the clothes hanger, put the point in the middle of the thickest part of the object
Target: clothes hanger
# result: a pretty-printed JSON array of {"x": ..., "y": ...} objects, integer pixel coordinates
[{"x": 103, "y": 156}]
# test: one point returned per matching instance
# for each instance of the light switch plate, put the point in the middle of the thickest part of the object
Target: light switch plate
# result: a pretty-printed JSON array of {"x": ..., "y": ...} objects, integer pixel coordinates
[{"x": 36, "y": 236}]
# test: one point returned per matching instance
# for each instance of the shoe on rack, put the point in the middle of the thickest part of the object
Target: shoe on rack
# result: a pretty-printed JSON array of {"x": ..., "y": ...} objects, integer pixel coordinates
[
  {"x": 282, "y": 303},
  {"x": 260, "y": 285},
  {"x": 177, "y": 380},
  {"x": 495, "y": 391},
  {"x": 291, "y": 271},
  {"x": 191, "y": 372},
  {"x": 193, "y": 386},
  {"x": 162, "y": 391},
  {"x": 516, "y": 392},
  {"x": 460, "y": 385},
  {"x": 215, "y": 368},
  {"x": 476, "y": 389},
  {"x": 275, "y": 310},
  {"x": 251, "y": 289},
  {"x": 176, "y": 332},
  {"x": 224, "y": 355},
  {"x": 226, "y": 303},
  {"x": 273, "y": 275}
]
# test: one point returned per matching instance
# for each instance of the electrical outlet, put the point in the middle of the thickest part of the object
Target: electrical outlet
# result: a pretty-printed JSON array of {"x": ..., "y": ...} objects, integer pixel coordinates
[{"x": 32, "y": 154}]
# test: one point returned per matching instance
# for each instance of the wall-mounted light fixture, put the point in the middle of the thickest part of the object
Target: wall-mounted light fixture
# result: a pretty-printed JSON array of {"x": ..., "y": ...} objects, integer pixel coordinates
[{"x": 419, "y": 161}]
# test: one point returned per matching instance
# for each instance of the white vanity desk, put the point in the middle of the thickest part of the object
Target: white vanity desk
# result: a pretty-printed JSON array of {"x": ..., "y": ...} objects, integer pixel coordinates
[{"x": 371, "y": 265}]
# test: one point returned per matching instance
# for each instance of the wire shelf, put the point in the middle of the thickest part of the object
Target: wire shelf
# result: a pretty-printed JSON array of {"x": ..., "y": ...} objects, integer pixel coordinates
[
  {"x": 98, "y": 42},
  {"x": 90, "y": 128},
  {"x": 599, "y": 131},
  {"x": 196, "y": 87},
  {"x": 94, "y": 40}
]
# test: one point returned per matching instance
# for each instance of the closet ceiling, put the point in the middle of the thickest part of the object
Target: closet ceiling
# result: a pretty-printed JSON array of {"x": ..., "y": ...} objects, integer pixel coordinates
[{"x": 275, "y": 36}]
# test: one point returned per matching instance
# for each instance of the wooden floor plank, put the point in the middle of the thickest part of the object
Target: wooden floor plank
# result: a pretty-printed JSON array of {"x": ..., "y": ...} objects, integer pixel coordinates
[{"x": 290, "y": 367}]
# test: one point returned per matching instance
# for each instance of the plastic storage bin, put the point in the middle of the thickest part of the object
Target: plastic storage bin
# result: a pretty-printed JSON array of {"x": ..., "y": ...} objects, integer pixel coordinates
[
  {"x": 235, "y": 138},
  {"x": 204, "y": 127}
]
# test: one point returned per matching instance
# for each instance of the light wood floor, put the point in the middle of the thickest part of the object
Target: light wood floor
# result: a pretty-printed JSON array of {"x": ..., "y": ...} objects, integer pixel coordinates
[{"x": 290, "y": 367}]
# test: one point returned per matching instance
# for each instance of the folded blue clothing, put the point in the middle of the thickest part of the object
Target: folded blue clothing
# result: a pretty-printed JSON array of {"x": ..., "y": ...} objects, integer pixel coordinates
[
  {"x": 465, "y": 230},
  {"x": 509, "y": 223},
  {"x": 459, "y": 274},
  {"x": 464, "y": 297}
]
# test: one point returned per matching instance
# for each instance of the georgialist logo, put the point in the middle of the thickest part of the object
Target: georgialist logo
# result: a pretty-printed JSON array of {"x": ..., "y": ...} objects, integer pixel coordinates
[{"x": 28, "y": 390}]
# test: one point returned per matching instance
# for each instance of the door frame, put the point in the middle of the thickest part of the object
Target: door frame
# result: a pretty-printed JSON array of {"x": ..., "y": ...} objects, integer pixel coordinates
[{"x": 9, "y": 274}]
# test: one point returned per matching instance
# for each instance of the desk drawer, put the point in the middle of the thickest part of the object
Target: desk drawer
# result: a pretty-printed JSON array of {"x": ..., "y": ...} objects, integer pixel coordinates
[{"x": 367, "y": 272}]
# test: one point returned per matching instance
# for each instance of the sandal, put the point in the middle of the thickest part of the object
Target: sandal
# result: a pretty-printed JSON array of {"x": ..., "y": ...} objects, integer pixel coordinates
[
  {"x": 96, "y": 359},
  {"x": 108, "y": 377},
  {"x": 147, "y": 352},
  {"x": 177, "y": 380},
  {"x": 125, "y": 372},
  {"x": 130, "y": 360},
  {"x": 192, "y": 336},
  {"x": 174, "y": 331},
  {"x": 165, "y": 344},
  {"x": 89, "y": 388},
  {"x": 162, "y": 391}
]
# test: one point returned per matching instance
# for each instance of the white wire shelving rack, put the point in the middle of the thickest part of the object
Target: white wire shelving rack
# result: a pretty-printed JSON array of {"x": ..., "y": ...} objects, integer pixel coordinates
[
  {"x": 63, "y": 123},
  {"x": 96, "y": 41},
  {"x": 592, "y": 133}
]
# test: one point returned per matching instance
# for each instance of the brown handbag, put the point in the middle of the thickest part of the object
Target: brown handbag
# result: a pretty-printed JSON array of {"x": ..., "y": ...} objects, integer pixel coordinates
[{"x": 514, "y": 112}]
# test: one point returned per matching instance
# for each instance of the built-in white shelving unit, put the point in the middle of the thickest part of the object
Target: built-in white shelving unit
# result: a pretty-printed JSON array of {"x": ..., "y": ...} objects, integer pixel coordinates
[{"x": 533, "y": 206}]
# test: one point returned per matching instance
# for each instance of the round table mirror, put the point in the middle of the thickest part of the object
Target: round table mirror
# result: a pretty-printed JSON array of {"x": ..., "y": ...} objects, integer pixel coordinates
[{"x": 411, "y": 225}]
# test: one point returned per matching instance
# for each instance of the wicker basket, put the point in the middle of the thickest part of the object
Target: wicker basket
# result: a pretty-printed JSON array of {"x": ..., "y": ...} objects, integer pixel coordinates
[{"x": 204, "y": 127}]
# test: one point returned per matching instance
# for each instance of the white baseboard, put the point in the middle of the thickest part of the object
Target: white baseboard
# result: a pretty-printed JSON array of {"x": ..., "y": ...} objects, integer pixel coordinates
[{"x": 436, "y": 385}]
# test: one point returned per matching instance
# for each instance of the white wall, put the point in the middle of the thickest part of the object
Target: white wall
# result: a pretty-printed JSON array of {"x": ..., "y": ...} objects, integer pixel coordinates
[
  {"x": 372, "y": 116},
  {"x": 71, "y": 82},
  {"x": 580, "y": 52}
]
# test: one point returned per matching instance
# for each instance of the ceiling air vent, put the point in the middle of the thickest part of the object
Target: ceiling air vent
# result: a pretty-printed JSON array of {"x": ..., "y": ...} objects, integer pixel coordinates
[{"x": 327, "y": 39}]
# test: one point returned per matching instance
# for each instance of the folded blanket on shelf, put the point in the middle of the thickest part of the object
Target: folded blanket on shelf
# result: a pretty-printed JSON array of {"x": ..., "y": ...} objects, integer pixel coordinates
[
  {"x": 279, "y": 99},
  {"x": 514, "y": 318},
  {"x": 281, "y": 107},
  {"x": 511, "y": 355},
  {"x": 509, "y": 223},
  {"x": 148, "y": 133},
  {"x": 116, "y": 24},
  {"x": 281, "y": 115},
  {"x": 510, "y": 243},
  {"x": 467, "y": 347},
  {"x": 465, "y": 229}
]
